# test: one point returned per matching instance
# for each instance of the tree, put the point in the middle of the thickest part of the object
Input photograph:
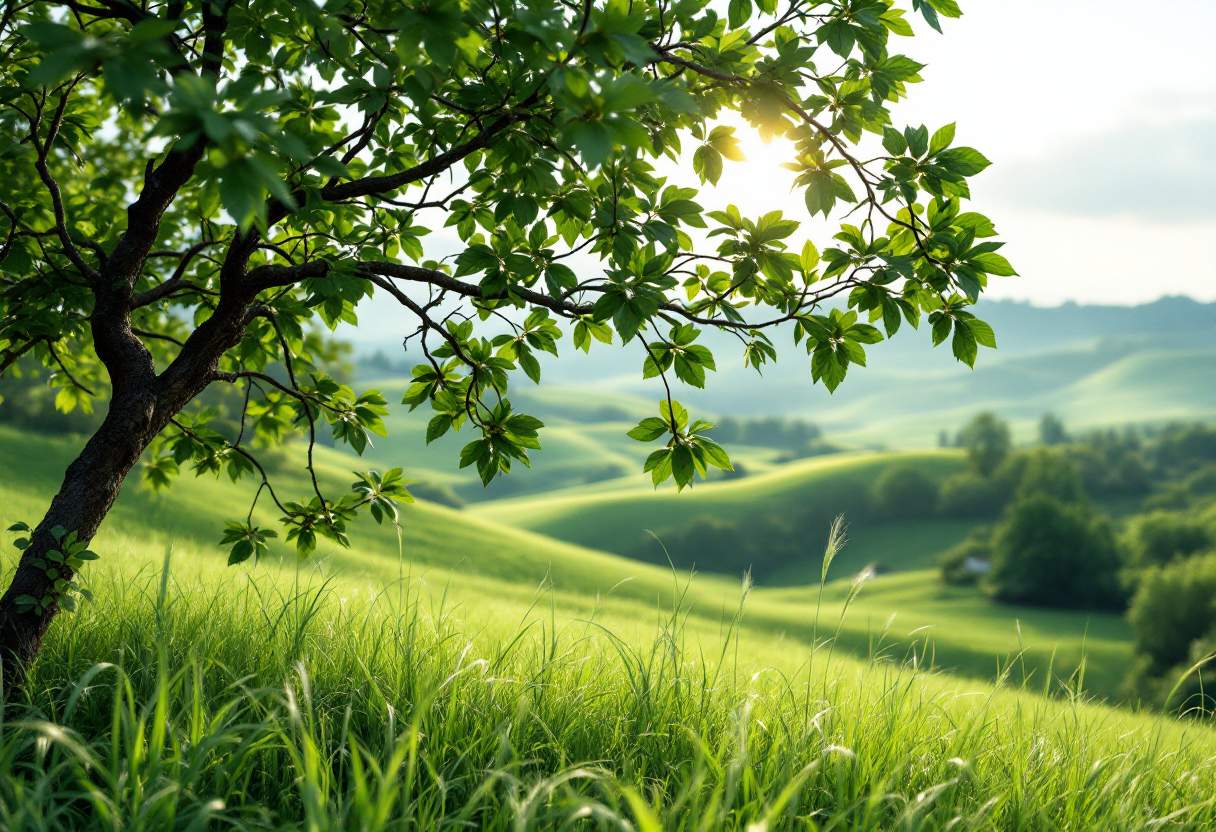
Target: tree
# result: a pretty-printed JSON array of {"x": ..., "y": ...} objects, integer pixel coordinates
[
  {"x": 1048, "y": 553},
  {"x": 1051, "y": 430},
  {"x": 903, "y": 492},
  {"x": 195, "y": 190},
  {"x": 1052, "y": 474},
  {"x": 987, "y": 441},
  {"x": 1173, "y": 606},
  {"x": 1159, "y": 537}
]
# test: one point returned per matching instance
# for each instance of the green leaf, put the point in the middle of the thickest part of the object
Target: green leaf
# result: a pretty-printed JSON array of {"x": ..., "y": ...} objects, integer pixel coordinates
[
  {"x": 649, "y": 429},
  {"x": 738, "y": 12},
  {"x": 715, "y": 454},
  {"x": 965, "y": 161},
  {"x": 707, "y": 163},
  {"x": 964, "y": 345},
  {"x": 682, "y": 465},
  {"x": 993, "y": 263},
  {"x": 941, "y": 139},
  {"x": 983, "y": 333}
]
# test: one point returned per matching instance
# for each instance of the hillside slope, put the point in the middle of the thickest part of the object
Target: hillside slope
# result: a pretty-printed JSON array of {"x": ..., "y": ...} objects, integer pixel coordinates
[
  {"x": 809, "y": 492},
  {"x": 492, "y": 572}
]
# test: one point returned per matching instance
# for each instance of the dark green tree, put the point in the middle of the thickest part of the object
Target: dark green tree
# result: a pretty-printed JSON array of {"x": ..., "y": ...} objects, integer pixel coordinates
[
  {"x": 1052, "y": 554},
  {"x": 189, "y": 187},
  {"x": 903, "y": 492},
  {"x": 1173, "y": 606},
  {"x": 1159, "y": 537},
  {"x": 1051, "y": 430},
  {"x": 1053, "y": 474},
  {"x": 987, "y": 441}
]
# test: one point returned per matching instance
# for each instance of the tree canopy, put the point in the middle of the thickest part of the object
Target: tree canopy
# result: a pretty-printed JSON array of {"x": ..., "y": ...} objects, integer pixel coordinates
[{"x": 195, "y": 192}]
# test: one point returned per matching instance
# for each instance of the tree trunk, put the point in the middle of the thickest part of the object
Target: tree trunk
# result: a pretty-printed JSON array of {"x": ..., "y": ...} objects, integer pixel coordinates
[{"x": 90, "y": 486}]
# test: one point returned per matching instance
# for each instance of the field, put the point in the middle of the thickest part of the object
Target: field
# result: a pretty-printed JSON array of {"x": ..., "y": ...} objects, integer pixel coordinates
[
  {"x": 508, "y": 680},
  {"x": 958, "y": 630},
  {"x": 509, "y": 665},
  {"x": 615, "y": 518}
]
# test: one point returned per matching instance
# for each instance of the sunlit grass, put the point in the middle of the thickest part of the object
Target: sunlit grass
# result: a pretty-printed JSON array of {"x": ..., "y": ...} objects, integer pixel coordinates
[{"x": 200, "y": 698}]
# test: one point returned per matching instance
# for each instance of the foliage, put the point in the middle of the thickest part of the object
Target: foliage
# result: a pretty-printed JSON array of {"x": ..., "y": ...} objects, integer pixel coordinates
[
  {"x": 290, "y": 160},
  {"x": 987, "y": 441},
  {"x": 1048, "y": 553},
  {"x": 1051, "y": 430},
  {"x": 63, "y": 588},
  {"x": 903, "y": 492},
  {"x": 1113, "y": 464},
  {"x": 27, "y": 401},
  {"x": 1174, "y": 607},
  {"x": 1184, "y": 447},
  {"x": 1158, "y": 537},
  {"x": 1053, "y": 475},
  {"x": 970, "y": 496},
  {"x": 967, "y": 562},
  {"x": 758, "y": 546}
]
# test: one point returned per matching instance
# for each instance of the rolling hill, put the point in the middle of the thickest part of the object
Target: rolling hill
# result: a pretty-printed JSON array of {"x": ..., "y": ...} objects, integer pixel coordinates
[
  {"x": 493, "y": 571},
  {"x": 811, "y": 492}
]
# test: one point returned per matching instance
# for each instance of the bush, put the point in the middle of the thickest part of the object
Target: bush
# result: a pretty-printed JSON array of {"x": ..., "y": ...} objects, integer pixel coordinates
[
  {"x": 1047, "y": 553},
  {"x": 1202, "y": 481},
  {"x": 712, "y": 544},
  {"x": 1053, "y": 475},
  {"x": 970, "y": 496},
  {"x": 1162, "y": 536},
  {"x": 1185, "y": 447},
  {"x": 1174, "y": 606},
  {"x": 903, "y": 492},
  {"x": 961, "y": 565}
]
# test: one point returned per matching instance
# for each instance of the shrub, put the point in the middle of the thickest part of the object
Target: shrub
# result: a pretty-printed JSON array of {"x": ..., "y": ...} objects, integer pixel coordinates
[
  {"x": 1047, "y": 553},
  {"x": 1160, "y": 537},
  {"x": 1185, "y": 447},
  {"x": 903, "y": 492},
  {"x": 969, "y": 495},
  {"x": 1053, "y": 475},
  {"x": 712, "y": 544},
  {"x": 1202, "y": 481},
  {"x": 961, "y": 564},
  {"x": 1174, "y": 606}
]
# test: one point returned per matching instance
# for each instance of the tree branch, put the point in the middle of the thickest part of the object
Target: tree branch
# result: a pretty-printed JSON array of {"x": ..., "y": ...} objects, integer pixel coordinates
[{"x": 175, "y": 280}]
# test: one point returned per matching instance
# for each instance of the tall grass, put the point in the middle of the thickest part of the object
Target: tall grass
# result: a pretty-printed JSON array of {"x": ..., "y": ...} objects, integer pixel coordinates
[{"x": 267, "y": 703}]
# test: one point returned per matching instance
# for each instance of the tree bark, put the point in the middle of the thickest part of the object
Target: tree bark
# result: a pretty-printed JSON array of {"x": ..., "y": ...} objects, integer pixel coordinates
[{"x": 90, "y": 486}]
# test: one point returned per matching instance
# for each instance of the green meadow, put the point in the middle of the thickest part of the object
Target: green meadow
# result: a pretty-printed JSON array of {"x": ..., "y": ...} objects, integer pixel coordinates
[
  {"x": 488, "y": 676},
  {"x": 530, "y": 659}
]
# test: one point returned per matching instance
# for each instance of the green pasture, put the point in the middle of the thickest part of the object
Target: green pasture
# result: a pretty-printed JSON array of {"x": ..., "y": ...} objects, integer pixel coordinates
[{"x": 480, "y": 561}]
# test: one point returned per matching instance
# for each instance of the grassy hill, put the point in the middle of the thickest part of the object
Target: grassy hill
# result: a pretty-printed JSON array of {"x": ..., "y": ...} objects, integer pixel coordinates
[
  {"x": 193, "y": 696},
  {"x": 492, "y": 569},
  {"x": 512, "y": 674},
  {"x": 811, "y": 491}
]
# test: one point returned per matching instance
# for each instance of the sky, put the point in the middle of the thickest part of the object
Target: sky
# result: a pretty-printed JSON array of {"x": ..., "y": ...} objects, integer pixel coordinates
[{"x": 1100, "y": 119}]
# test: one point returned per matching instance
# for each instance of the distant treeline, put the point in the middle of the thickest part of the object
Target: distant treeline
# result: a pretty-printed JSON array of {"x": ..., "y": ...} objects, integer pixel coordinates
[
  {"x": 769, "y": 432},
  {"x": 1146, "y": 545},
  {"x": 1160, "y": 468}
]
